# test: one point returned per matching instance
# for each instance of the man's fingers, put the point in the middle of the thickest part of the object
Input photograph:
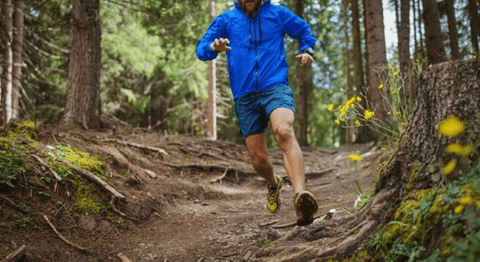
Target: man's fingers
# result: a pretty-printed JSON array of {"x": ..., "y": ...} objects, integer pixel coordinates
[
  {"x": 298, "y": 56},
  {"x": 216, "y": 41},
  {"x": 226, "y": 40},
  {"x": 229, "y": 48}
]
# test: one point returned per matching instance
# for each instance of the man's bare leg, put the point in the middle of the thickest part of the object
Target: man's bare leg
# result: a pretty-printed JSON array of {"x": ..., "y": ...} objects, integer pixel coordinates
[
  {"x": 257, "y": 149},
  {"x": 282, "y": 123}
]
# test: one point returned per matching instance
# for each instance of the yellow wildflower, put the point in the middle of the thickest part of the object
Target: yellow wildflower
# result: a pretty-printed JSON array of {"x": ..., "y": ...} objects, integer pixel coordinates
[
  {"x": 394, "y": 92},
  {"x": 330, "y": 107},
  {"x": 380, "y": 86},
  {"x": 395, "y": 73},
  {"x": 343, "y": 119},
  {"x": 474, "y": 57},
  {"x": 357, "y": 123},
  {"x": 390, "y": 67},
  {"x": 465, "y": 200},
  {"x": 355, "y": 157},
  {"x": 342, "y": 113},
  {"x": 384, "y": 148},
  {"x": 369, "y": 114},
  {"x": 389, "y": 113},
  {"x": 460, "y": 150},
  {"x": 339, "y": 106},
  {"x": 458, "y": 209},
  {"x": 398, "y": 113},
  {"x": 337, "y": 121},
  {"x": 450, "y": 167},
  {"x": 359, "y": 99},
  {"x": 451, "y": 127}
]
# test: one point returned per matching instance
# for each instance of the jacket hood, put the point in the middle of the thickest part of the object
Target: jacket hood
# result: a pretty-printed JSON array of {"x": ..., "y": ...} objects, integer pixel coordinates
[{"x": 237, "y": 5}]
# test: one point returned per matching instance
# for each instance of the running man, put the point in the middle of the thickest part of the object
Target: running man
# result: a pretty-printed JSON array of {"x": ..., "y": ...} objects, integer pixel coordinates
[{"x": 252, "y": 35}]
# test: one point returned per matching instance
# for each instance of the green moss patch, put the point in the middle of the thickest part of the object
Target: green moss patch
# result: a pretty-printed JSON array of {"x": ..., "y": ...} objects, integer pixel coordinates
[
  {"x": 85, "y": 201},
  {"x": 445, "y": 218}
]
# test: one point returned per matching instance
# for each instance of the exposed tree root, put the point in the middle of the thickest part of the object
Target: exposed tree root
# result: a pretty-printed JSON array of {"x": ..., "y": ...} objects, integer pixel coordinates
[
  {"x": 112, "y": 205},
  {"x": 320, "y": 241},
  {"x": 62, "y": 237},
  {"x": 94, "y": 179},
  {"x": 13, "y": 204},
  {"x": 17, "y": 255},
  {"x": 39, "y": 160},
  {"x": 151, "y": 148}
]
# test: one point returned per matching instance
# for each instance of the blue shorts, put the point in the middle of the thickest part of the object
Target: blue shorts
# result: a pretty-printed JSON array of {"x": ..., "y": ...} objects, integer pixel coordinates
[{"x": 254, "y": 109}]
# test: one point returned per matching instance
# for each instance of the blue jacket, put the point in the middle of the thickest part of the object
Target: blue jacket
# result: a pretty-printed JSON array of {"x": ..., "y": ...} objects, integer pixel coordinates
[{"x": 257, "y": 60}]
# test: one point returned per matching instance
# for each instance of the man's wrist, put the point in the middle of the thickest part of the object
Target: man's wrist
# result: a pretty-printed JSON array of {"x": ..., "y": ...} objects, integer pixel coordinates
[{"x": 309, "y": 51}]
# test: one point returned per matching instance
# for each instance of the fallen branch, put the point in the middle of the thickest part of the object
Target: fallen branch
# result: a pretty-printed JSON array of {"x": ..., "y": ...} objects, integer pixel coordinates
[
  {"x": 294, "y": 223},
  {"x": 17, "y": 255},
  {"x": 39, "y": 160},
  {"x": 210, "y": 166},
  {"x": 94, "y": 179},
  {"x": 269, "y": 223},
  {"x": 62, "y": 237},
  {"x": 13, "y": 204},
  {"x": 151, "y": 148}
]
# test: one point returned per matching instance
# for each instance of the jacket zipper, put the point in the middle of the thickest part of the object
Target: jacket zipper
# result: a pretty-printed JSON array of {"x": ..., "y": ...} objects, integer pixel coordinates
[{"x": 256, "y": 57}]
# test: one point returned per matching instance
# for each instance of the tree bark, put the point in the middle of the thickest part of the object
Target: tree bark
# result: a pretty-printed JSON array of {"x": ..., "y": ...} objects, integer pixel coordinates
[
  {"x": 359, "y": 80},
  {"x": 444, "y": 90},
  {"x": 452, "y": 30},
  {"x": 349, "y": 93},
  {"x": 376, "y": 41},
  {"x": 83, "y": 106},
  {"x": 404, "y": 47},
  {"x": 305, "y": 84},
  {"x": 17, "y": 56},
  {"x": 212, "y": 89},
  {"x": 433, "y": 33},
  {"x": 7, "y": 64},
  {"x": 473, "y": 14}
]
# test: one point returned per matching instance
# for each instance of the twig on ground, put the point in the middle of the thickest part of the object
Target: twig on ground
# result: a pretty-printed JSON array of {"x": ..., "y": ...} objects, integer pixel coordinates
[
  {"x": 269, "y": 223},
  {"x": 39, "y": 160},
  {"x": 123, "y": 258},
  {"x": 13, "y": 204},
  {"x": 151, "y": 148},
  {"x": 291, "y": 224},
  {"x": 17, "y": 255},
  {"x": 112, "y": 205},
  {"x": 62, "y": 237},
  {"x": 86, "y": 174}
]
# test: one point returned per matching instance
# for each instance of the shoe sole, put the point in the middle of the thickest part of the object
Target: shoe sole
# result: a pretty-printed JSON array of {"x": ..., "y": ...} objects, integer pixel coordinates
[{"x": 307, "y": 206}]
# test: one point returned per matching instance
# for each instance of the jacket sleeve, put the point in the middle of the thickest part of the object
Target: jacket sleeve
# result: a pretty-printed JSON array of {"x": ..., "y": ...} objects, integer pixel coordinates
[
  {"x": 298, "y": 29},
  {"x": 216, "y": 30}
]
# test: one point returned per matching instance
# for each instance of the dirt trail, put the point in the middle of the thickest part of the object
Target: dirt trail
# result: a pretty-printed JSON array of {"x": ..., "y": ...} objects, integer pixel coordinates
[{"x": 180, "y": 215}]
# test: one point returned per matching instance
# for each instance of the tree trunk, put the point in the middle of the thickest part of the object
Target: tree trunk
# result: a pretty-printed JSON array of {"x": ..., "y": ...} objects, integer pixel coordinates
[
  {"x": 7, "y": 64},
  {"x": 433, "y": 33},
  {"x": 363, "y": 131},
  {"x": 444, "y": 90},
  {"x": 421, "y": 38},
  {"x": 83, "y": 106},
  {"x": 473, "y": 14},
  {"x": 404, "y": 47},
  {"x": 17, "y": 56},
  {"x": 452, "y": 30},
  {"x": 415, "y": 50},
  {"x": 305, "y": 83},
  {"x": 212, "y": 89},
  {"x": 349, "y": 93},
  {"x": 376, "y": 41}
]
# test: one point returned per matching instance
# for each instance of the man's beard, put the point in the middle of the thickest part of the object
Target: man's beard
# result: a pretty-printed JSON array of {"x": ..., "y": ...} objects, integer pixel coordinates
[{"x": 255, "y": 9}]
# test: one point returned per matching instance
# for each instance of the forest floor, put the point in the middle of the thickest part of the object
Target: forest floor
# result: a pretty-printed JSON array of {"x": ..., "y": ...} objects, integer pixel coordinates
[{"x": 180, "y": 215}]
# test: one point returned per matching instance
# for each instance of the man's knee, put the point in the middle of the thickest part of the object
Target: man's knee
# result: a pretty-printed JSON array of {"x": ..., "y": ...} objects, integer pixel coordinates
[{"x": 284, "y": 133}]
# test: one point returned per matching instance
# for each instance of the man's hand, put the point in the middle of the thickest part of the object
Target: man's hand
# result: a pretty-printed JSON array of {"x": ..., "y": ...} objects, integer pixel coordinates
[
  {"x": 220, "y": 45},
  {"x": 305, "y": 58}
]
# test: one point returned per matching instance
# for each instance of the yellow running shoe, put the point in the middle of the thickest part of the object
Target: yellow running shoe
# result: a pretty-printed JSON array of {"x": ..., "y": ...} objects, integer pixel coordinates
[{"x": 274, "y": 203}]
